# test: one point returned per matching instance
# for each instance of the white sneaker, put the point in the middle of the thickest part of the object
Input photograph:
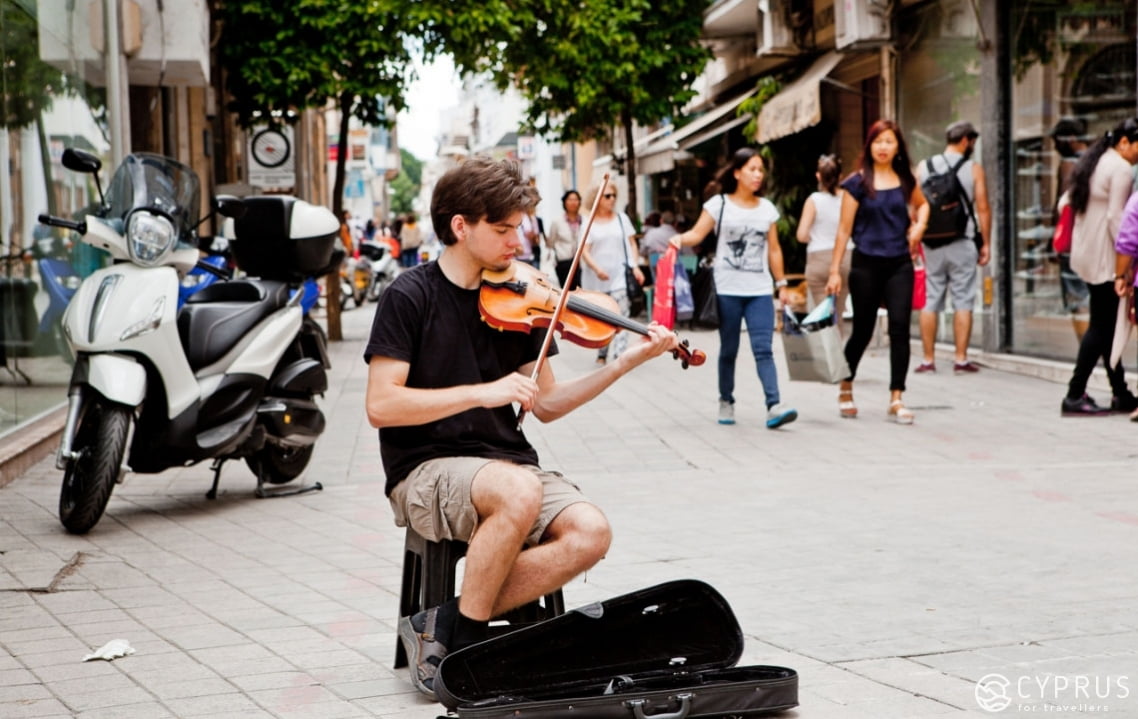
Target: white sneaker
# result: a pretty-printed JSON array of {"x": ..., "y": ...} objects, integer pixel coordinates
[
  {"x": 726, "y": 412},
  {"x": 780, "y": 414}
]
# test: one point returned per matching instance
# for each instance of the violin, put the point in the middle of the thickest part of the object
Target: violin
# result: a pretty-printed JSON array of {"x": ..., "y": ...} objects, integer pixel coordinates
[{"x": 521, "y": 297}]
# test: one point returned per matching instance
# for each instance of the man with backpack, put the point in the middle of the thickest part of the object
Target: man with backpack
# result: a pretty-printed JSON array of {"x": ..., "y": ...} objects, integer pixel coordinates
[{"x": 956, "y": 242}]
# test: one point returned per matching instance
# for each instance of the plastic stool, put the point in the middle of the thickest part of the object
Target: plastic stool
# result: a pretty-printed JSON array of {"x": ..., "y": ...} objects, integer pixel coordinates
[{"x": 429, "y": 570}]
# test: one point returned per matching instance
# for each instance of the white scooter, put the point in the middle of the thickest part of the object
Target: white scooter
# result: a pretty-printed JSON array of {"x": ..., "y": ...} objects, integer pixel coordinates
[{"x": 233, "y": 374}]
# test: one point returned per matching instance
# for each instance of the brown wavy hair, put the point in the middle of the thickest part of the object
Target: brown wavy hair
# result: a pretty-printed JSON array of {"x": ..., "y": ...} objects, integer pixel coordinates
[{"x": 479, "y": 189}]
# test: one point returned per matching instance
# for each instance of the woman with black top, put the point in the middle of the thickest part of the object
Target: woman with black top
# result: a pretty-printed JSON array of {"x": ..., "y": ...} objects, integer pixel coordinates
[{"x": 878, "y": 209}]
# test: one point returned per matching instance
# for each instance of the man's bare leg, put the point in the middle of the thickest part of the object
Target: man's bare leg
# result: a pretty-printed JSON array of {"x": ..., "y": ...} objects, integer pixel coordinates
[
  {"x": 928, "y": 335},
  {"x": 499, "y": 576},
  {"x": 574, "y": 542},
  {"x": 961, "y": 333},
  {"x": 508, "y": 501}
]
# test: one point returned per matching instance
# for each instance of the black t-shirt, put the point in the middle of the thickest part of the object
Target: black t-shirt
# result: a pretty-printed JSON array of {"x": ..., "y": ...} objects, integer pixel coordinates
[{"x": 426, "y": 320}]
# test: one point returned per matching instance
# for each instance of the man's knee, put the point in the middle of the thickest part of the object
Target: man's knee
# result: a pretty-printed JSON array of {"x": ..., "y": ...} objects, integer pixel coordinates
[
  {"x": 504, "y": 488},
  {"x": 586, "y": 534}
]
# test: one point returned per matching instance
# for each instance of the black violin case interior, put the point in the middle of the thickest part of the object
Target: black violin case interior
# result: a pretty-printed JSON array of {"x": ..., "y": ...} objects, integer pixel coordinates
[{"x": 665, "y": 652}]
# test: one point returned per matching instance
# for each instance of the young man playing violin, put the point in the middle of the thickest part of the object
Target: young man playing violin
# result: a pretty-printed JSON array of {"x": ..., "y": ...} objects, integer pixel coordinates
[{"x": 441, "y": 389}]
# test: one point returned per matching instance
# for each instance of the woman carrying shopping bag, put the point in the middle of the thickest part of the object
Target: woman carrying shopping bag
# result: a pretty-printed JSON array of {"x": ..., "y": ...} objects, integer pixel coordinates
[{"x": 747, "y": 270}]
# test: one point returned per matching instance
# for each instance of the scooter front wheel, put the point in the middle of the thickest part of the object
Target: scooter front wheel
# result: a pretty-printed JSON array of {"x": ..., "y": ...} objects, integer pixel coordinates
[{"x": 90, "y": 477}]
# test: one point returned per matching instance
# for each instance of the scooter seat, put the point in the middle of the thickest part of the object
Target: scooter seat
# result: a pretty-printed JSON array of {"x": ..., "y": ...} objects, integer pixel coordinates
[{"x": 214, "y": 319}]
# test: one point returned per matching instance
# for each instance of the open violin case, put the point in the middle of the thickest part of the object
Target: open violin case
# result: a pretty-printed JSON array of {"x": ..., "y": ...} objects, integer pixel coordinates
[{"x": 665, "y": 652}]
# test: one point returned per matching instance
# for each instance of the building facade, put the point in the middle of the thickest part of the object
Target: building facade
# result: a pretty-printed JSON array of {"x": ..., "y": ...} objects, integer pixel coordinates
[{"x": 1018, "y": 70}]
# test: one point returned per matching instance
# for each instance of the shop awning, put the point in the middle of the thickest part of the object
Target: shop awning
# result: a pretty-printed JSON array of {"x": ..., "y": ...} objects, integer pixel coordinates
[
  {"x": 798, "y": 105},
  {"x": 660, "y": 155}
]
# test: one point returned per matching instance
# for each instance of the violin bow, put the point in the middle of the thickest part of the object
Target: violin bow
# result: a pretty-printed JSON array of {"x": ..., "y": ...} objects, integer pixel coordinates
[{"x": 564, "y": 299}]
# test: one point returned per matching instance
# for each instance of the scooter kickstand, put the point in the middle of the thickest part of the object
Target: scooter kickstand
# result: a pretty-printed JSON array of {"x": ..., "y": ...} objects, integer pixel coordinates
[
  {"x": 264, "y": 492},
  {"x": 216, "y": 467}
]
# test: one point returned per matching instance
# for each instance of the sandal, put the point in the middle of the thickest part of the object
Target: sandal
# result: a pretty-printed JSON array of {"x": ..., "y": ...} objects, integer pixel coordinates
[
  {"x": 899, "y": 413},
  {"x": 846, "y": 407}
]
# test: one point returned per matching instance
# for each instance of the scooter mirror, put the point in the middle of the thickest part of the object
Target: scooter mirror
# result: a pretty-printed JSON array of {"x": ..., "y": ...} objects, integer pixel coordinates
[
  {"x": 229, "y": 206},
  {"x": 81, "y": 161}
]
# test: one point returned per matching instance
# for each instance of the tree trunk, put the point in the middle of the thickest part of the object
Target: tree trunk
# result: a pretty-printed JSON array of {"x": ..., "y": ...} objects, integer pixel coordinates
[
  {"x": 332, "y": 281},
  {"x": 630, "y": 166}
]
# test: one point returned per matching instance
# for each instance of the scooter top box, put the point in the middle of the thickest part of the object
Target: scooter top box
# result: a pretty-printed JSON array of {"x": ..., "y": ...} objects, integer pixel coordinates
[
  {"x": 666, "y": 651},
  {"x": 283, "y": 238}
]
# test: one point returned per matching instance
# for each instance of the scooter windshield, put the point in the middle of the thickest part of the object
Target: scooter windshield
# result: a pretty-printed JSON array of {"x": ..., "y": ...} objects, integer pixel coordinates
[{"x": 158, "y": 183}]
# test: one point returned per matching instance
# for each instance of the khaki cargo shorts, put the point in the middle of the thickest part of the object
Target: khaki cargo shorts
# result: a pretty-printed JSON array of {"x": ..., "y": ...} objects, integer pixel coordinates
[{"x": 434, "y": 499}]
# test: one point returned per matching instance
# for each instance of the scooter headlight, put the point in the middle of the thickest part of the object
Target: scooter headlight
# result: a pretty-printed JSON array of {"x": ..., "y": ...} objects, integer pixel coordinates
[{"x": 149, "y": 237}]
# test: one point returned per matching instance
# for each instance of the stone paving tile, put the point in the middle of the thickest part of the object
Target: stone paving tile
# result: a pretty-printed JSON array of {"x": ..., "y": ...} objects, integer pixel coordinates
[
  {"x": 145, "y": 710},
  {"x": 49, "y": 708},
  {"x": 276, "y": 680},
  {"x": 234, "y": 702},
  {"x": 80, "y": 699}
]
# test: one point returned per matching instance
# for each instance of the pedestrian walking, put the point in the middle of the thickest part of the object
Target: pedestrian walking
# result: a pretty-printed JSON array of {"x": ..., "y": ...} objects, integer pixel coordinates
[
  {"x": 564, "y": 232},
  {"x": 410, "y": 241},
  {"x": 608, "y": 251},
  {"x": 1100, "y": 185},
  {"x": 952, "y": 262},
  {"x": 748, "y": 269},
  {"x": 885, "y": 213},
  {"x": 818, "y": 228}
]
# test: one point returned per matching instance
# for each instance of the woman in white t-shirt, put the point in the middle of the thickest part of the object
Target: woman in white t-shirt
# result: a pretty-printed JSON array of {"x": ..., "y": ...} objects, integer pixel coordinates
[
  {"x": 817, "y": 229},
  {"x": 747, "y": 270},
  {"x": 608, "y": 250}
]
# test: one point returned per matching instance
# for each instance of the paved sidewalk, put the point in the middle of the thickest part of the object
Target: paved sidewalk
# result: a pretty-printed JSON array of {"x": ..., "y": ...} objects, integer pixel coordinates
[{"x": 892, "y": 566}]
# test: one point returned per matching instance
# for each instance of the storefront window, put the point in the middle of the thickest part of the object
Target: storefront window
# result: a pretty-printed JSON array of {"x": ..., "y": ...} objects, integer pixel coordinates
[
  {"x": 1074, "y": 79},
  {"x": 47, "y": 105},
  {"x": 938, "y": 83}
]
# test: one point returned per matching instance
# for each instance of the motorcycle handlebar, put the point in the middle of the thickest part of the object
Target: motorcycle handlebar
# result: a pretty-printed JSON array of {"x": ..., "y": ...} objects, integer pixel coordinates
[
  {"x": 80, "y": 227},
  {"x": 213, "y": 269}
]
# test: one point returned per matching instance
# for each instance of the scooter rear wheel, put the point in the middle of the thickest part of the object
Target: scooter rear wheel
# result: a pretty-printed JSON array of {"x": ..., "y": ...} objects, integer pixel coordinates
[
  {"x": 90, "y": 478},
  {"x": 280, "y": 464}
]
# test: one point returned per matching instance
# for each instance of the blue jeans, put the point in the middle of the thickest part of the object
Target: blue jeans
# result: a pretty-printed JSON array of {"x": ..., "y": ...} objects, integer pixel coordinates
[{"x": 759, "y": 314}]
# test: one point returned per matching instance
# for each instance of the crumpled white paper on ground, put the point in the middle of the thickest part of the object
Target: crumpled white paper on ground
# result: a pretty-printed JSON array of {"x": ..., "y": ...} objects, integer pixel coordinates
[{"x": 111, "y": 650}]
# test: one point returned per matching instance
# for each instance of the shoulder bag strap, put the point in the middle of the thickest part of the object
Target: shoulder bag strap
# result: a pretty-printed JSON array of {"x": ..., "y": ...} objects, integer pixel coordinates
[
  {"x": 719, "y": 222},
  {"x": 963, "y": 193},
  {"x": 623, "y": 240}
]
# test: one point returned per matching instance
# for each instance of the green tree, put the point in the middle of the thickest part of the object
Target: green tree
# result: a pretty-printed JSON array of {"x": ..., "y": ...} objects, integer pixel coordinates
[
  {"x": 413, "y": 166},
  {"x": 406, "y": 185},
  {"x": 584, "y": 71},
  {"x": 349, "y": 52}
]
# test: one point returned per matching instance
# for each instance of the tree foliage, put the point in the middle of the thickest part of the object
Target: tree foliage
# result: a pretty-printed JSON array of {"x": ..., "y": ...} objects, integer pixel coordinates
[
  {"x": 406, "y": 185},
  {"x": 304, "y": 54},
  {"x": 350, "y": 52},
  {"x": 30, "y": 83},
  {"x": 585, "y": 70}
]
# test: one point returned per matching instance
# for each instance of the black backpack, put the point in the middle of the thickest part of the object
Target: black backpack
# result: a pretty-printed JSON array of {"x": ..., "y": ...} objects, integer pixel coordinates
[{"x": 949, "y": 208}]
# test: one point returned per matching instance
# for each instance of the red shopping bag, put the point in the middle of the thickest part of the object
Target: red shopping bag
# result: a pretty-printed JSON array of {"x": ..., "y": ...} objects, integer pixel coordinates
[
  {"x": 664, "y": 299},
  {"x": 919, "y": 290},
  {"x": 1061, "y": 240}
]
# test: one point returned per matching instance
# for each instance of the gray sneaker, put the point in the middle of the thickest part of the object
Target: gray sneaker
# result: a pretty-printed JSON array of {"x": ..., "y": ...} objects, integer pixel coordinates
[
  {"x": 424, "y": 651},
  {"x": 780, "y": 414},
  {"x": 726, "y": 412}
]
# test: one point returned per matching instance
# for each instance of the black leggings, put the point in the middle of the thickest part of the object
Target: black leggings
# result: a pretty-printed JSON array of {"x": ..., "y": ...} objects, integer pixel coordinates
[
  {"x": 1097, "y": 343},
  {"x": 562, "y": 270},
  {"x": 874, "y": 282}
]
